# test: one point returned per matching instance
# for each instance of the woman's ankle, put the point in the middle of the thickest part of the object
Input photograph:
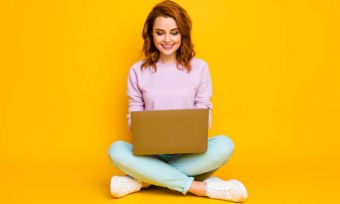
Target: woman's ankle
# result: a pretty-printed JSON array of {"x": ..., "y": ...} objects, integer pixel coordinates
[{"x": 198, "y": 188}]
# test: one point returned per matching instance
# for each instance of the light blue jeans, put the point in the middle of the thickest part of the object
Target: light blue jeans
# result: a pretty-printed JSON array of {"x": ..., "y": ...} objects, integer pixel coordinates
[{"x": 174, "y": 171}]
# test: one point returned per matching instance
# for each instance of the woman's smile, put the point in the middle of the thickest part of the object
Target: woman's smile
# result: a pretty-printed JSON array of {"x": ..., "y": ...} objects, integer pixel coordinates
[{"x": 167, "y": 46}]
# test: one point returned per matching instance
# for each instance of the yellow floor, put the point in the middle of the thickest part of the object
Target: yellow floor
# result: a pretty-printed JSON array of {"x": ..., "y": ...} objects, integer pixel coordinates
[{"x": 86, "y": 182}]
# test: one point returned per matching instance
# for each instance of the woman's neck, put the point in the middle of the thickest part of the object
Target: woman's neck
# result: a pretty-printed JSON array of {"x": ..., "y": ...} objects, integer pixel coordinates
[{"x": 168, "y": 59}]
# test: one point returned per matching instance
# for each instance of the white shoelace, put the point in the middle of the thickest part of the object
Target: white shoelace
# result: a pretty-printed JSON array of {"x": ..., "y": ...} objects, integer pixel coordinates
[
  {"x": 124, "y": 185},
  {"x": 222, "y": 190}
]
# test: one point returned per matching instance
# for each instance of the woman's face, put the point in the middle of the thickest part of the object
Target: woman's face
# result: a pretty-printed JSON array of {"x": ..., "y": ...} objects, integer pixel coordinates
[{"x": 166, "y": 36}]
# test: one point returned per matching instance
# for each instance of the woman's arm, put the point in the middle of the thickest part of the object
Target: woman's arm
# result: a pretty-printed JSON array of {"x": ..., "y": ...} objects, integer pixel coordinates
[
  {"x": 204, "y": 93},
  {"x": 136, "y": 102}
]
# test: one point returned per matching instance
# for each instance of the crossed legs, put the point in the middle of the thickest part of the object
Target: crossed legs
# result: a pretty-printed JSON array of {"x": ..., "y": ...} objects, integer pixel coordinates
[{"x": 178, "y": 173}]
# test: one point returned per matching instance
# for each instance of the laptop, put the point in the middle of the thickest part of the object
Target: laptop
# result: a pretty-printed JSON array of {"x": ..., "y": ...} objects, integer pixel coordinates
[{"x": 169, "y": 131}]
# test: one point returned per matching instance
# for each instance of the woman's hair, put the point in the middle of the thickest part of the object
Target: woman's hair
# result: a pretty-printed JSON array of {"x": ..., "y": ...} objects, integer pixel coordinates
[{"x": 185, "y": 52}]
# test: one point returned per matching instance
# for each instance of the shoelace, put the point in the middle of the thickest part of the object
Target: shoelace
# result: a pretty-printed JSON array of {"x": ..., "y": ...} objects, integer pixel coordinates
[
  {"x": 220, "y": 188},
  {"x": 128, "y": 184},
  {"x": 224, "y": 190}
]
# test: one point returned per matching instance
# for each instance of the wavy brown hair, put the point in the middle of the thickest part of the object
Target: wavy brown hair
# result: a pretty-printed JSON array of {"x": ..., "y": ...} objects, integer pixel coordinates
[{"x": 185, "y": 52}]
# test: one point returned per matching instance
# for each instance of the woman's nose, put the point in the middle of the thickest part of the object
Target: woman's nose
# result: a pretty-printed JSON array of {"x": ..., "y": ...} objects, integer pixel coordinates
[{"x": 167, "y": 38}]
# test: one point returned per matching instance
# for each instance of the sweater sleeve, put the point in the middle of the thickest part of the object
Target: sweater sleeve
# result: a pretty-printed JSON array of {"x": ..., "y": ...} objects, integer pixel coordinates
[
  {"x": 204, "y": 93},
  {"x": 135, "y": 97}
]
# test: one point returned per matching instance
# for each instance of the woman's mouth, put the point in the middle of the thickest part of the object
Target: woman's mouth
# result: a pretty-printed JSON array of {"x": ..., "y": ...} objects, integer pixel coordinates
[{"x": 167, "y": 47}]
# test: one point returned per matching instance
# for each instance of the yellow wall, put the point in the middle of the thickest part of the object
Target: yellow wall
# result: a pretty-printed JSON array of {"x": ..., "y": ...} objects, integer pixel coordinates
[{"x": 274, "y": 64}]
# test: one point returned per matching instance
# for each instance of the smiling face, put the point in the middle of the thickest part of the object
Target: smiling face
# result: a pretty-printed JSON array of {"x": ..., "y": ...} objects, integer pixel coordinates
[{"x": 166, "y": 36}]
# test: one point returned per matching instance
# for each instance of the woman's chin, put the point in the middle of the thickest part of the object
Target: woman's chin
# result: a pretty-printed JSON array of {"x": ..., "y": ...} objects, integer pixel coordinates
[{"x": 168, "y": 53}]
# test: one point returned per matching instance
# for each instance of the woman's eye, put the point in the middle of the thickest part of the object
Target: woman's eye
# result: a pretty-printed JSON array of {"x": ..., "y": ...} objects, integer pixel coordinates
[{"x": 174, "y": 33}]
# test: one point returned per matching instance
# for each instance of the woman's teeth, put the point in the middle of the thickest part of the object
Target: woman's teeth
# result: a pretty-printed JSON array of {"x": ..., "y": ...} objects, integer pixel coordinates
[{"x": 167, "y": 47}]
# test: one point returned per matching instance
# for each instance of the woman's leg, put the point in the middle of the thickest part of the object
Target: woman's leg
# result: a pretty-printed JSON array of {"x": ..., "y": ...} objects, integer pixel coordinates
[
  {"x": 148, "y": 169},
  {"x": 201, "y": 166},
  {"x": 220, "y": 150}
]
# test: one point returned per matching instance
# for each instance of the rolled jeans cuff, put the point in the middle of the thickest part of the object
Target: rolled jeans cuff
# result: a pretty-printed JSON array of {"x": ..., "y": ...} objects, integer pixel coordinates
[{"x": 187, "y": 187}]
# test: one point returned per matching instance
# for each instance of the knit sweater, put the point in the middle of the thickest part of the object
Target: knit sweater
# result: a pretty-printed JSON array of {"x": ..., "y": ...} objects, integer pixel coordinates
[{"x": 169, "y": 88}]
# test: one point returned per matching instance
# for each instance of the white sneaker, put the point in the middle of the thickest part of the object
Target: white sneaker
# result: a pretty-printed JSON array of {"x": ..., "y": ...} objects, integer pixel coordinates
[
  {"x": 123, "y": 185},
  {"x": 232, "y": 190}
]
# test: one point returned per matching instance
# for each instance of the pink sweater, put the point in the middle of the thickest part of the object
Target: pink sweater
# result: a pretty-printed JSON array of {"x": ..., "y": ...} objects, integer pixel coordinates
[{"x": 169, "y": 88}]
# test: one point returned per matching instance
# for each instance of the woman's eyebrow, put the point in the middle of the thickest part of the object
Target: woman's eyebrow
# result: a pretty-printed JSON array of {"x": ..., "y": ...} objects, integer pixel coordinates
[{"x": 163, "y": 30}]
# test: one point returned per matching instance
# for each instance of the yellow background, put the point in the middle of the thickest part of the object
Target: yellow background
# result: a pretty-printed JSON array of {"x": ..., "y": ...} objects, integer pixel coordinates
[{"x": 276, "y": 93}]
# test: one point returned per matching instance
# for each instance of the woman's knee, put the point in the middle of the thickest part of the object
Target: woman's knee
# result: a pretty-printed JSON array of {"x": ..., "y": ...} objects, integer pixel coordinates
[
  {"x": 117, "y": 150},
  {"x": 222, "y": 146}
]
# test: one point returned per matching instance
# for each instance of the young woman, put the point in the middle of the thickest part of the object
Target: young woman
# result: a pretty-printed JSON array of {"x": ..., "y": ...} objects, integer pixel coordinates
[{"x": 170, "y": 77}]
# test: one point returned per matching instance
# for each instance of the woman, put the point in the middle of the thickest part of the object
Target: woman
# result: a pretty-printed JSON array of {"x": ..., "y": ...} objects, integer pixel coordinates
[{"x": 170, "y": 77}]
